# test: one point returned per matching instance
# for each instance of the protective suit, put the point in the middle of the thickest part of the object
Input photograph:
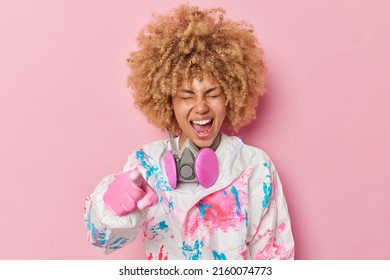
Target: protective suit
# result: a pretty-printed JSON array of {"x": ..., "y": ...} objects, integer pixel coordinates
[{"x": 244, "y": 215}]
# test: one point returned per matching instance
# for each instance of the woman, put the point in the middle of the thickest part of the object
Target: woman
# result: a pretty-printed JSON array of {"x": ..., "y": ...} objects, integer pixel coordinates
[{"x": 201, "y": 194}]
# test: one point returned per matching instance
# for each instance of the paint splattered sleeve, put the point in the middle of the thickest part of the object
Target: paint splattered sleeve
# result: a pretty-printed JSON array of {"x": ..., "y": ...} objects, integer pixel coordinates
[
  {"x": 272, "y": 236},
  {"x": 106, "y": 231}
]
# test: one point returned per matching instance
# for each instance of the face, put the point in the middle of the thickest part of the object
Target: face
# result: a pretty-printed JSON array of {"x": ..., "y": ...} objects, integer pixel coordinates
[{"x": 200, "y": 111}]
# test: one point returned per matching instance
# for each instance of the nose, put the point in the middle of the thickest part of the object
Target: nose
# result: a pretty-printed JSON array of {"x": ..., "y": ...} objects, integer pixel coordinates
[{"x": 201, "y": 106}]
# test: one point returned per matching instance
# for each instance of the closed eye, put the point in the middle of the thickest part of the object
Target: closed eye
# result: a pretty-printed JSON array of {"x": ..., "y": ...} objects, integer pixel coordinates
[
  {"x": 186, "y": 96},
  {"x": 213, "y": 95}
]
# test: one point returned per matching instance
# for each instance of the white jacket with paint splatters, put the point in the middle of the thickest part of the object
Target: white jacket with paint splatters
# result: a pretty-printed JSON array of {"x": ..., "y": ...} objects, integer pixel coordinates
[{"x": 243, "y": 215}]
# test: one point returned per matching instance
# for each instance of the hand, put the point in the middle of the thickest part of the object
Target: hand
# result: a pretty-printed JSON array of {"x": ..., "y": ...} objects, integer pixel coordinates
[{"x": 129, "y": 192}]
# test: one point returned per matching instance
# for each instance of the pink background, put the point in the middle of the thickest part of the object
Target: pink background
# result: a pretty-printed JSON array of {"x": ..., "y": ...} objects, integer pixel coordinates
[{"x": 66, "y": 119}]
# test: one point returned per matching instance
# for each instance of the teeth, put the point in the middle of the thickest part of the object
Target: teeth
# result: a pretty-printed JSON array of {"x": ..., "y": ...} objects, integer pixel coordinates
[{"x": 203, "y": 122}]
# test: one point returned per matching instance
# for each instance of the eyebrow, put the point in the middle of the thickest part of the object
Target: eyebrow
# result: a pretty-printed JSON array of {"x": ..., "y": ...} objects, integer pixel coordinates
[{"x": 206, "y": 92}]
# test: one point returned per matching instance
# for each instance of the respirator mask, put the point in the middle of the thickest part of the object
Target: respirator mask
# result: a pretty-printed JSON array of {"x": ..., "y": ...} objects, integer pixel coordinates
[{"x": 191, "y": 164}]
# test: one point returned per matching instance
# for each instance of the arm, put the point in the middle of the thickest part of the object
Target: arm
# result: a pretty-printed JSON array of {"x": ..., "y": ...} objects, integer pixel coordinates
[
  {"x": 271, "y": 236},
  {"x": 115, "y": 211}
]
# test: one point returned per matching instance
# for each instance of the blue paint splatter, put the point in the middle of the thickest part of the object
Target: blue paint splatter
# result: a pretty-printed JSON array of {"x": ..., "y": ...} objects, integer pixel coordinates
[
  {"x": 159, "y": 227},
  {"x": 170, "y": 204},
  {"x": 88, "y": 221},
  {"x": 162, "y": 225},
  {"x": 117, "y": 243},
  {"x": 100, "y": 238},
  {"x": 220, "y": 256},
  {"x": 152, "y": 170},
  {"x": 246, "y": 219},
  {"x": 192, "y": 252},
  {"x": 235, "y": 193},
  {"x": 267, "y": 188},
  {"x": 202, "y": 208}
]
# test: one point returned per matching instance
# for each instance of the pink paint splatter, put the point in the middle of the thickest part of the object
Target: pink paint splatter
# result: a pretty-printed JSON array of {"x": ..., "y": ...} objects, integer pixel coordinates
[
  {"x": 281, "y": 226},
  {"x": 222, "y": 210},
  {"x": 89, "y": 202},
  {"x": 161, "y": 254},
  {"x": 272, "y": 248},
  {"x": 146, "y": 227},
  {"x": 243, "y": 251}
]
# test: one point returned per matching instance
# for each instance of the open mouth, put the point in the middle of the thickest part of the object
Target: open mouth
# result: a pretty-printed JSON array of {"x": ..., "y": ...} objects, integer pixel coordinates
[{"x": 202, "y": 127}]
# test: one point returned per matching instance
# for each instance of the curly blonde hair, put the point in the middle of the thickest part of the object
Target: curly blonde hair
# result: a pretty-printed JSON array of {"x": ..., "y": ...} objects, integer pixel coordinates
[{"x": 187, "y": 43}]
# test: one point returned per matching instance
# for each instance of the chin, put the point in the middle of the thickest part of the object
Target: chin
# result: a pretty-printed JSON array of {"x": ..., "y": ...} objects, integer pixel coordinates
[{"x": 204, "y": 143}]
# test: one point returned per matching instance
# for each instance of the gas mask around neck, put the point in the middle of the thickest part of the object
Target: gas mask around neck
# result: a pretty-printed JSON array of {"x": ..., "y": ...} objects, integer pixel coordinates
[{"x": 191, "y": 164}]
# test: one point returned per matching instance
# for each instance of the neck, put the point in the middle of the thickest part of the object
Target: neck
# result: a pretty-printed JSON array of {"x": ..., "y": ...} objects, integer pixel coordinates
[{"x": 214, "y": 146}]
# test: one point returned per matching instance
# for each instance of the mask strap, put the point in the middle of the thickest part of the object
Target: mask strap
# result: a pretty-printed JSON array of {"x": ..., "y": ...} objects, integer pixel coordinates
[
  {"x": 216, "y": 142},
  {"x": 175, "y": 150}
]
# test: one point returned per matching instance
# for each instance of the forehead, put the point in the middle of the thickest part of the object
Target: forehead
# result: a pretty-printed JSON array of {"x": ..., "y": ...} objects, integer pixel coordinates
[{"x": 202, "y": 82}]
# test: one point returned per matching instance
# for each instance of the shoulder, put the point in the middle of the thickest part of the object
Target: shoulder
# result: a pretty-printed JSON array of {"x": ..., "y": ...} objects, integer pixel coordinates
[
  {"x": 260, "y": 162},
  {"x": 241, "y": 155},
  {"x": 153, "y": 151},
  {"x": 255, "y": 155},
  {"x": 155, "y": 146},
  {"x": 234, "y": 144}
]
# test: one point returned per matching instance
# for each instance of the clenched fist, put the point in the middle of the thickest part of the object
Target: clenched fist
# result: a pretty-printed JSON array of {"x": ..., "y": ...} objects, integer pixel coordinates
[{"x": 129, "y": 192}]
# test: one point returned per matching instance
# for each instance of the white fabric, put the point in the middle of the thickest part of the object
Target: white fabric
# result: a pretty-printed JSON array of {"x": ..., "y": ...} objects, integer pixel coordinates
[{"x": 244, "y": 215}]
